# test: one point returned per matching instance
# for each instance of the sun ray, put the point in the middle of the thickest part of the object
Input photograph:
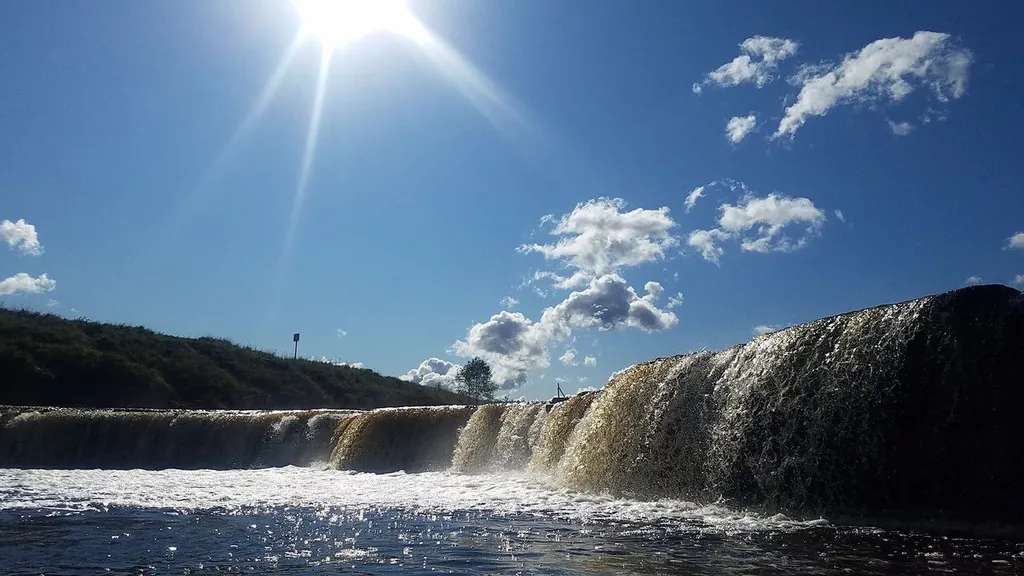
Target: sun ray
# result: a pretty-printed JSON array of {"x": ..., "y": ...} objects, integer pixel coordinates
[
  {"x": 308, "y": 156},
  {"x": 214, "y": 170}
]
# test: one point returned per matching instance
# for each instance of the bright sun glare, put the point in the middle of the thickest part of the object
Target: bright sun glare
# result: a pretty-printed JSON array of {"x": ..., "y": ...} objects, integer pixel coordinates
[{"x": 335, "y": 23}]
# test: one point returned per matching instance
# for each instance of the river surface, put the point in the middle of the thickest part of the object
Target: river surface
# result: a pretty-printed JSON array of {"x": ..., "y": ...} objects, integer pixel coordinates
[{"x": 313, "y": 521}]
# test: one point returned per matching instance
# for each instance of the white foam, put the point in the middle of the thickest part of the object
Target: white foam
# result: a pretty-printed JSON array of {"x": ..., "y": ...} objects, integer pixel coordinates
[{"x": 432, "y": 493}]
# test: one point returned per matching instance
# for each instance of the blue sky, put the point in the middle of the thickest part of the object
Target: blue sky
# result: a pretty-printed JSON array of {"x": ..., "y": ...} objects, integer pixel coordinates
[{"x": 507, "y": 179}]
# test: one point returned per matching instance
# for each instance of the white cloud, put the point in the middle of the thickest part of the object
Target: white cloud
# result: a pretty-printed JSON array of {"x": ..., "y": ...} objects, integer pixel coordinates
[
  {"x": 759, "y": 223},
  {"x": 569, "y": 358},
  {"x": 23, "y": 283},
  {"x": 433, "y": 372},
  {"x": 1019, "y": 280},
  {"x": 766, "y": 329},
  {"x": 342, "y": 333},
  {"x": 598, "y": 237},
  {"x": 589, "y": 361},
  {"x": 509, "y": 302},
  {"x": 901, "y": 128},
  {"x": 609, "y": 303},
  {"x": 1016, "y": 241},
  {"x": 974, "y": 280},
  {"x": 582, "y": 389},
  {"x": 512, "y": 345},
  {"x": 706, "y": 242},
  {"x": 881, "y": 71},
  {"x": 759, "y": 58},
  {"x": 840, "y": 216},
  {"x": 674, "y": 301},
  {"x": 739, "y": 126},
  {"x": 53, "y": 303},
  {"x": 21, "y": 236},
  {"x": 692, "y": 197},
  {"x": 358, "y": 365}
]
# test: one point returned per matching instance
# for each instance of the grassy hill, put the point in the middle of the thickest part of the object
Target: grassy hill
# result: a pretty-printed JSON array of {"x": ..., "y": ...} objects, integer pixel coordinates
[{"x": 50, "y": 360}]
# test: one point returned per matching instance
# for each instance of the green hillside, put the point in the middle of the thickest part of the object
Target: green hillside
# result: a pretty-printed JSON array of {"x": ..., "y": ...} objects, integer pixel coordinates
[{"x": 50, "y": 360}]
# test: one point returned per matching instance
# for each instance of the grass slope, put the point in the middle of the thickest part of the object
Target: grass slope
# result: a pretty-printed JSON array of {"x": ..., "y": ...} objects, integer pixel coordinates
[{"x": 50, "y": 360}]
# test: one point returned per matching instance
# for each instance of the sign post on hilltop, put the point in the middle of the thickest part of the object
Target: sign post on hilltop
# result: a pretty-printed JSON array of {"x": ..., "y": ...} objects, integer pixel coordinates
[{"x": 295, "y": 338}]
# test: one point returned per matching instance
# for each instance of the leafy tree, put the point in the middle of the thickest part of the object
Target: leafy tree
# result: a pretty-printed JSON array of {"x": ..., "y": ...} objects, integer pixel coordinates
[{"x": 474, "y": 380}]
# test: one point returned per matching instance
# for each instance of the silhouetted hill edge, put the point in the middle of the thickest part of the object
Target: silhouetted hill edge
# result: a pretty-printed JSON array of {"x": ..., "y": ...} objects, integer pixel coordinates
[{"x": 48, "y": 360}]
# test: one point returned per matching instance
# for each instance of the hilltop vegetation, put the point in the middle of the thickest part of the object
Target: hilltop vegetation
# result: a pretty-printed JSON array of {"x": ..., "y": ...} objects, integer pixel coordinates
[{"x": 50, "y": 360}]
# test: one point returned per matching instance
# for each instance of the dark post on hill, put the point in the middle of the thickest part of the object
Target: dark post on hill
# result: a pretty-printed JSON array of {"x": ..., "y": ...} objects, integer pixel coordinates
[{"x": 295, "y": 338}]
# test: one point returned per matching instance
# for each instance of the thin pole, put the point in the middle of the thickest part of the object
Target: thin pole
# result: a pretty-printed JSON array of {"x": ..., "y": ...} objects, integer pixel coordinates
[{"x": 296, "y": 355}]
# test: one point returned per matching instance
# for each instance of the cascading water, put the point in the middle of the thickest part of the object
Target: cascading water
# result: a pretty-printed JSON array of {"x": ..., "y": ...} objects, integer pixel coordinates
[
  {"x": 499, "y": 437},
  {"x": 157, "y": 439},
  {"x": 391, "y": 439}
]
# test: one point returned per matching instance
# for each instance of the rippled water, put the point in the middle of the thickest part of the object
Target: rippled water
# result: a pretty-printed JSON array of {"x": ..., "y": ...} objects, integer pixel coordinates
[{"x": 311, "y": 521}]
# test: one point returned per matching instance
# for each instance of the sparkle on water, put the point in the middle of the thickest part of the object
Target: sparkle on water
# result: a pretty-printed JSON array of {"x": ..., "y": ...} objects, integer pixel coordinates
[{"x": 305, "y": 520}]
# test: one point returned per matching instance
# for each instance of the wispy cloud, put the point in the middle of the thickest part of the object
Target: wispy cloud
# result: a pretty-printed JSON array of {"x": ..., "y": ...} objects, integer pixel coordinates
[
  {"x": 885, "y": 70},
  {"x": 342, "y": 333},
  {"x": 674, "y": 301},
  {"x": 569, "y": 358},
  {"x": 23, "y": 283},
  {"x": 692, "y": 197},
  {"x": 973, "y": 280},
  {"x": 767, "y": 329},
  {"x": 760, "y": 56},
  {"x": 590, "y": 361},
  {"x": 509, "y": 303},
  {"x": 901, "y": 128},
  {"x": 1019, "y": 280},
  {"x": 739, "y": 126},
  {"x": 21, "y": 236}
]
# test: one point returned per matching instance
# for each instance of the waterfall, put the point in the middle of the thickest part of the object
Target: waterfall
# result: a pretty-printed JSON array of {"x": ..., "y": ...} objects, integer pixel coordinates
[
  {"x": 154, "y": 439},
  {"x": 499, "y": 437},
  {"x": 909, "y": 408},
  {"x": 391, "y": 439},
  {"x": 905, "y": 408}
]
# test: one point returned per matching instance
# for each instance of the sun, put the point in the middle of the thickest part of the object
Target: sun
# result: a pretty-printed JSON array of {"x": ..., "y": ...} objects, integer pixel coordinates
[{"x": 335, "y": 23}]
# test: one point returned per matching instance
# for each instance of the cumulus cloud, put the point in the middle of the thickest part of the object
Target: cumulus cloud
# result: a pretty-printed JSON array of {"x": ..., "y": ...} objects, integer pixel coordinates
[
  {"x": 569, "y": 358},
  {"x": 739, "y": 126},
  {"x": 885, "y": 70},
  {"x": 974, "y": 280},
  {"x": 901, "y": 128},
  {"x": 512, "y": 345},
  {"x": 761, "y": 225},
  {"x": 692, "y": 197},
  {"x": 509, "y": 302},
  {"x": 433, "y": 372},
  {"x": 609, "y": 303},
  {"x": 1019, "y": 280},
  {"x": 590, "y": 361},
  {"x": 1016, "y": 241},
  {"x": 760, "y": 56},
  {"x": 358, "y": 365},
  {"x": 21, "y": 236},
  {"x": 25, "y": 284},
  {"x": 342, "y": 333},
  {"x": 599, "y": 237}
]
